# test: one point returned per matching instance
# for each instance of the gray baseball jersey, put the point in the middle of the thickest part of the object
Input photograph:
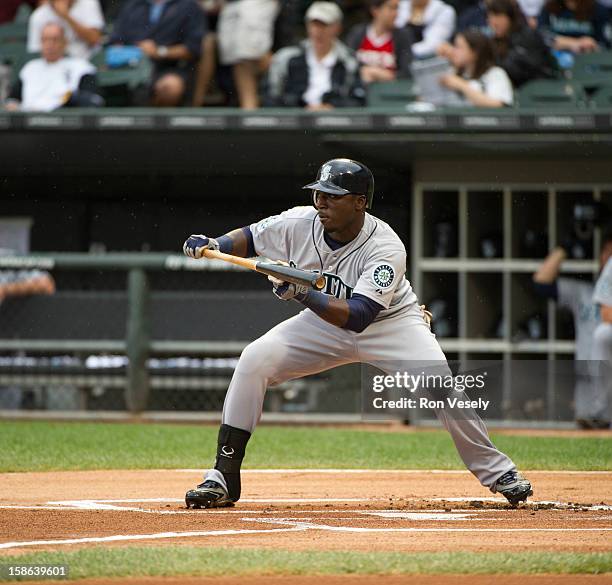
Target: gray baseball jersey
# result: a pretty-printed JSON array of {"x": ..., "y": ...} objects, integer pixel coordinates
[
  {"x": 373, "y": 265},
  {"x": 577, "y": 296},
  {"x": 603, "y": 287},
  {"x": 602, "y": 346}
]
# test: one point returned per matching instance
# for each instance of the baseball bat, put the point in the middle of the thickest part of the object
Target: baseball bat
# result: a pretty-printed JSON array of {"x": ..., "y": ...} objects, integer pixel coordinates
[{"x": 280, "y": 271}]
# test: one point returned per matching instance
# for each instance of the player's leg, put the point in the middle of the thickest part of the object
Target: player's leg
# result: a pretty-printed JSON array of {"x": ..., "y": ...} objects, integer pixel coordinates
[
  {"x": 601, "y": 353},
  {"x": 302, "y": 345},
  {"x": 406, "y": 340}
]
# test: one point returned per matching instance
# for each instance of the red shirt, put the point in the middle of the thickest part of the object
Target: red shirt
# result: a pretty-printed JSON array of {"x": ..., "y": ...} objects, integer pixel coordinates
[
  {"x": 377, "y": 52},
  {"x": 8, "y": 8}
]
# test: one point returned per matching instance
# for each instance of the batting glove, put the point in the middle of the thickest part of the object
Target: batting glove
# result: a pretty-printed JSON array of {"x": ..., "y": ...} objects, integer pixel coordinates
[
  {"x": 286, "y": 291},
  {"x": 195, "y": 245}
]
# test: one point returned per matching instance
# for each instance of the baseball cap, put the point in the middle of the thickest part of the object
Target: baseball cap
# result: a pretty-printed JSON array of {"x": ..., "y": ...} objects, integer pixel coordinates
[{"x": 327, "y": 12}]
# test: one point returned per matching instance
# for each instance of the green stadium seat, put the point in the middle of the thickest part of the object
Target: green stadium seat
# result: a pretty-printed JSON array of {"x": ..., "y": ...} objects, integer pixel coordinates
[
  {"x": 117, "y": 84},
  {"x": 15, "y": 55},
  {"x": 551, "y": 93},
  {"x": 391, "y": 94},
  {"x": 593, "y": 70},
  {"x": 23, "y": 14},
  {"x": 14, "y": 32},
  {"x": 602, "y": 98}
]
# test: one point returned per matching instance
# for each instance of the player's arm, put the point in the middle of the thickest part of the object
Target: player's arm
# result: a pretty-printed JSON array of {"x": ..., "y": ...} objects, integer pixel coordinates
[
  {"x": 550, "y": 268},
  {"x": 354, "y": 314},
  {"x": 545, "y": 279},
  {"x": 602, "y": 295},
  {"x": 238, "y": 242}
]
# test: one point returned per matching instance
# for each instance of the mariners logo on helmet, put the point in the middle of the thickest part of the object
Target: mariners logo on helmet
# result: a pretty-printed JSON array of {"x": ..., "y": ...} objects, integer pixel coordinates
[
  {"x": 383, "y": 275},
  {"x": 325, "y": 172},
  {"x": 343, "y": 176}
]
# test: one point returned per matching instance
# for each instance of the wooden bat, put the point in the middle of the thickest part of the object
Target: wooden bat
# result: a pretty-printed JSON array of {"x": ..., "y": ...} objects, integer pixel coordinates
[{"x": 280, "y": 271}]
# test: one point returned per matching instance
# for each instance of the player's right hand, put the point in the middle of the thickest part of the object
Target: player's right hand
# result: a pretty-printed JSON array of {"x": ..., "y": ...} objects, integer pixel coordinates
[
  {"x": 286, "y": 290},
  {"x": 195, "y": 245}
]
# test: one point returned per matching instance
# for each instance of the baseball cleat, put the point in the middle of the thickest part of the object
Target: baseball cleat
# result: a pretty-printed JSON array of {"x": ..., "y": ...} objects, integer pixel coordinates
[
  {"x": 514, "y": 487},
  {"x": 209, "y": 494}
]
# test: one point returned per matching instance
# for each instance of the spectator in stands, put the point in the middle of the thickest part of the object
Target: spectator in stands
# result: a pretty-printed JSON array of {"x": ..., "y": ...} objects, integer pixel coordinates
[
  {"x": 431, "y": 23},
  {"x": 519, "y": 50},
  {"x": 383, "y": 51},
  {"x": 54, "y": 80},
  {"x": 476, "y": 16},
  {"x": 82, "y": 21},
  {"x": 578, "y": 26},
  {"x": 207, "y": 66},
  {"x": 170, "y": 33},
  {"x": 476, "y": 76},
  {"x": 9, "y": 9},
  {"x": 577, "y": 296},
  {"x": 110, "y": 8},
  {"x": 473, "y": 17},
  {"x": 319, "y": 74},
  {"x": 531, "y": 10},
  {"x": 246, "y": 33}
]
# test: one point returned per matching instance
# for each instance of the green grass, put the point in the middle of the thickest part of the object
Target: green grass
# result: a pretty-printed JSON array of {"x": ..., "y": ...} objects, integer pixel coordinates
[
  {"x": 177, "y": 560},
  {"x": 42, "y": 446}
]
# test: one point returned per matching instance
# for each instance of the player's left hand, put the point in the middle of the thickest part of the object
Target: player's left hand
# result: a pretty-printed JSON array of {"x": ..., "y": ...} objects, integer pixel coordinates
[
  {"x": 427, "y": 315},
  {"x": 195, "y": 245},
  {"x": 286, "y": 291}
]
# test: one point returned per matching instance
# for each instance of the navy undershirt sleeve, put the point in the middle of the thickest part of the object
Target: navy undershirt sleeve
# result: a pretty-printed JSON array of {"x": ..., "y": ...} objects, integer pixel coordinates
[
  {"x": 550, "y": 291},
  {"x": 226, "y": 244},
  {"x": 362, "y": 311}
]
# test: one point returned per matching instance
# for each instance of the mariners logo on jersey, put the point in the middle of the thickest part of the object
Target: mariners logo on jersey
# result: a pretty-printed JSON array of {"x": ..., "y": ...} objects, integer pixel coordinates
[{"x": 383, "y": 275}]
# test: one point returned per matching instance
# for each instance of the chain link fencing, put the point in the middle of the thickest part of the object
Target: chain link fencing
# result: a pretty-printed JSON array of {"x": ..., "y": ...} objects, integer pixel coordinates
[{"x": 145, "y": 333}]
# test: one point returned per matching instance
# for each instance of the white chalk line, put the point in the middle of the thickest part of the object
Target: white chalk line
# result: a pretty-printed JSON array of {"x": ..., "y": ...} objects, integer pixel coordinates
[
  {"x": 111, "y": 504},
  {"x": 396, "y": 471},
  {"x": 312, "y": 526},
  {"x": 155, "y": 536},
  {"x": 291, "y": 526}
]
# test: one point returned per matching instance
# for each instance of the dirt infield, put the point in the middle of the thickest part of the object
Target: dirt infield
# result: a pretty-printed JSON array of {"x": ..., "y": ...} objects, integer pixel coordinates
[{"x": 301, "y": 510}]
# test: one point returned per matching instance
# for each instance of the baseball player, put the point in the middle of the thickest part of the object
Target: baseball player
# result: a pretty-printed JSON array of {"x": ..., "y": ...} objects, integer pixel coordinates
[
  {"x": 602, "y": 342},
  {"x": 368, "y": 313},
  {"x": 577, "y": 296}
]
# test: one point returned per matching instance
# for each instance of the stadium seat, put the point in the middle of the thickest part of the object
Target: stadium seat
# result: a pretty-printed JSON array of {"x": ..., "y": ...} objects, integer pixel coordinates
[
  {"x": 14, "y": 32},
  {"x": 16, "y": 56},
  {"x": 551, "y": 93},
  {"x": 391, "y": 93},
  {"x": 118, "y": 84},
  {"x": 23, "y": 14},
  {"x": 593, "y": 69},
  {"x": 602, "y": 98}
]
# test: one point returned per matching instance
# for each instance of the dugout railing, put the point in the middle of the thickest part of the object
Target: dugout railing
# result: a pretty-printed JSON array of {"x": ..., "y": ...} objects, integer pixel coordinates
[{"x": 137, "y": 349}]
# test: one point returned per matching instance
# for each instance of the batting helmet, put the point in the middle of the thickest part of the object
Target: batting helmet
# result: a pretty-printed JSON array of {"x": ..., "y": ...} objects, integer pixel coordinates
[{"x": 343, "y": 176}]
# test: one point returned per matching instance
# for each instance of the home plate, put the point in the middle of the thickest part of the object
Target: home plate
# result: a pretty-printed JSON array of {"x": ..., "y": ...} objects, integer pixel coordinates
[
  {"x": 557, "y": 505},
  {"x": 422, "y": 515}
]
